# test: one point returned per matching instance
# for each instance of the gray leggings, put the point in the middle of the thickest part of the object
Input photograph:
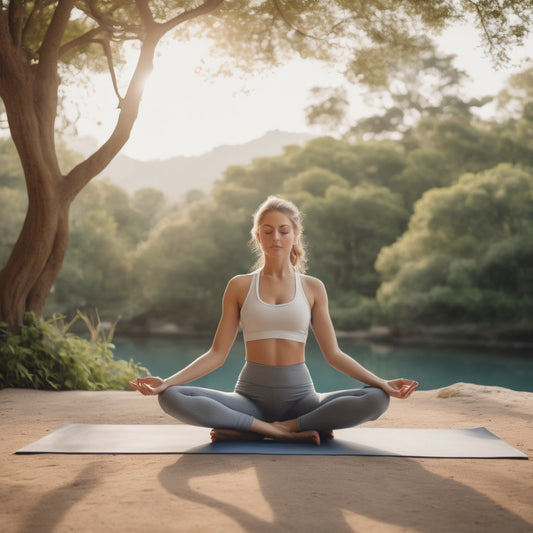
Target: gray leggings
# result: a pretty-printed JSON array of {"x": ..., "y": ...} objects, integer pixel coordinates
[{"x": 274, "y": 393}]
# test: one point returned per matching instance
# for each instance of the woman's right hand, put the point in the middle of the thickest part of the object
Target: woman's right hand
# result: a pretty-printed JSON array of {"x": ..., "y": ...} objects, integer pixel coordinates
[{"x": 150, "y": 386}]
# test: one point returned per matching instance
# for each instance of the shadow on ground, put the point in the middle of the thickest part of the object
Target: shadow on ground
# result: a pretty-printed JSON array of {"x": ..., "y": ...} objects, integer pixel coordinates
[{"x": 341, "y": 494}]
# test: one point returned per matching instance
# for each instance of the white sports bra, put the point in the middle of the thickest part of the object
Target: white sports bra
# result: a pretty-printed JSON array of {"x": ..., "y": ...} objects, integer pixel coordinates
[{"x": 288, "y": 321}]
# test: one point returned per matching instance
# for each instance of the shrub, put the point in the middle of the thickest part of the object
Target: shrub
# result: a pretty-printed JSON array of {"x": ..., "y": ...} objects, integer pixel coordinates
[{"x": 45, "y": 355}]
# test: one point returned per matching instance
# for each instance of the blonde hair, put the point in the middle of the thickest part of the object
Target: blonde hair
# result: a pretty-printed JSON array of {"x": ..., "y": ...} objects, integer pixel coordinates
[{"x": 298, "y": 255}]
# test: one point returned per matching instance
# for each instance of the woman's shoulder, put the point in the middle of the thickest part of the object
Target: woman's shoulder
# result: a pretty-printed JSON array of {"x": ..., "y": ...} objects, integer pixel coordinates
[
  {"x": 311, "y": 281},
  {"x": 312, "y": 285},
  {"x": 240, "y": 284},
  {"x": 241, "y": 279}
]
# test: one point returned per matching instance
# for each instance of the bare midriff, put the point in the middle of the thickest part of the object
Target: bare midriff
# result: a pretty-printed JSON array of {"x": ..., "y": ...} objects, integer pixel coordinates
[{"x": 275, "y": 352}]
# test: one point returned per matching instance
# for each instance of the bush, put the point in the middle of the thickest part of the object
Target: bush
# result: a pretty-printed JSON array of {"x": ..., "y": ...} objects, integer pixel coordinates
[{"x": 45, "y": 355}]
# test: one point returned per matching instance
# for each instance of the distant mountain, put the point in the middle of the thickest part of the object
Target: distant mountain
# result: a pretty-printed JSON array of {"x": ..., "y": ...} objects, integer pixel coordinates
[{"x": 178, "y": 175}]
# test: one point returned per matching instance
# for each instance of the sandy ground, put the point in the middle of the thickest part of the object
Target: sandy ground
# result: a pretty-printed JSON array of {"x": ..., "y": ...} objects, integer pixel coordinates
[{"x": 95, "y": 493}]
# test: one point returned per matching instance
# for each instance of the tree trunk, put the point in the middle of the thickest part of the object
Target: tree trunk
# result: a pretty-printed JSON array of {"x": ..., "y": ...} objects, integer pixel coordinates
[
  {"x": 38, "y": 295},
  {"x": 35, "y": 261}
]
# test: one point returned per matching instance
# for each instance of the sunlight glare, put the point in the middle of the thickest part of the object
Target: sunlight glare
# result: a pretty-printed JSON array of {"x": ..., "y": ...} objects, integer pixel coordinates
[{"x": 182, "y": 112}]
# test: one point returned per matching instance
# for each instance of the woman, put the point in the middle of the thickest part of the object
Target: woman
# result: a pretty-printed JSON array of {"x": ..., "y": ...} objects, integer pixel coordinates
[{"x": 274, "y": 395}]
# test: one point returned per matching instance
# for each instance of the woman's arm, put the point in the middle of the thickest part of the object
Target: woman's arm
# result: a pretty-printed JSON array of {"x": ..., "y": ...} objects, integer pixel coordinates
[
  {"x": 327, "y": 340},
  {"x": 215, "y": 357}
]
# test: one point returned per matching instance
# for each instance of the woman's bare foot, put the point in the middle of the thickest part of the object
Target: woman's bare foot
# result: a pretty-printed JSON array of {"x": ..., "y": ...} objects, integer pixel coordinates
[
  {"x": 284, "y": 431},
  {"x": 223, "y": 434},
  {"x": 326, "y": 434}
]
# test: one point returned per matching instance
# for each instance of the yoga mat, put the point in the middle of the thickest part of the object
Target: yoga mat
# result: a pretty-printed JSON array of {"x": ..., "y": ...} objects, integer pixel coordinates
[{"x": 181, "y": 438}]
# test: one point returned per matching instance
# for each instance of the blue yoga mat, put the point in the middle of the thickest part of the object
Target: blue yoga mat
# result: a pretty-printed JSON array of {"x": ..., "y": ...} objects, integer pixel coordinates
[{"x": 181, "y": 438}]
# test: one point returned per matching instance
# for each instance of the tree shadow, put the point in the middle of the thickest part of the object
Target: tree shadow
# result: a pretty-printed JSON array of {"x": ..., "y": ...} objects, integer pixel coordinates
[
  {"x": 319, "y": 493},
  {"x": 50, "y": 509}
]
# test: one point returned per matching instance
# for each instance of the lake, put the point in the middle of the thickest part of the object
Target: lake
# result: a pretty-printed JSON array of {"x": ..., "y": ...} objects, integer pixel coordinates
[{"x": 433, "y": 367}]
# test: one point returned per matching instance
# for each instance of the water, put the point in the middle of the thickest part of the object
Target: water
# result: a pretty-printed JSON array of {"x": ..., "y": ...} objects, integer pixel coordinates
[{"x": 432, "y": 367}]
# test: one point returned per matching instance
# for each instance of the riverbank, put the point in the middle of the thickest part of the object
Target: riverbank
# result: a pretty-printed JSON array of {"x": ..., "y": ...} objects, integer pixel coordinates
[
  {"x": 464, "y": 336},
  {"x": 445, "y": 339},
  {"x": 86, "y": 493}
]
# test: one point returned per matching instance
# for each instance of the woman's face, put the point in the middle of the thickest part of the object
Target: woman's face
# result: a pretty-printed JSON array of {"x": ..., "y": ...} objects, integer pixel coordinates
[{"x": 276, "y": 234}]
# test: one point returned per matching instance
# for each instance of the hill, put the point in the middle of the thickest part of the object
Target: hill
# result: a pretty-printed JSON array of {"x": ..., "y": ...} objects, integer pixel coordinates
[{"x": 177, "y": 175}]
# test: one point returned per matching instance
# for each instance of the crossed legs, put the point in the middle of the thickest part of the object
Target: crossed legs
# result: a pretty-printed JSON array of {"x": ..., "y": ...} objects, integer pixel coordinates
[{"x": 234, "y": 416}]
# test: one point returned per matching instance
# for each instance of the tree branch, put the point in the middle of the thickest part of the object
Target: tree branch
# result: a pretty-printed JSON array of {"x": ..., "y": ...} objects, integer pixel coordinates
[
  {"x": 145, "y": 13},
  {"x": 38, "y": 6},
  {"x": 80, "y": 175},
  {"x": 207, "y": 7},
  {"x": 483, "y": 25},
  {"x": 79, "y": 41},
  {"x": 5, "y": 43},
  {"x": 12, "y": 59},
  {"x": 49, "y": 51},
  {"x": 281, "y": 13},
  {"x": 109, "y": 55},
  {"x": 29, "y": 20},
  {"x": 16, "y": 21}
]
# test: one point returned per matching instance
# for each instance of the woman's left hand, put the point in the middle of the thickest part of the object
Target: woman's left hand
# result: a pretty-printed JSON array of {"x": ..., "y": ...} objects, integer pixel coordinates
[
  {"x": 149, "y": 386},
  {"x": 400, "y": 388}
]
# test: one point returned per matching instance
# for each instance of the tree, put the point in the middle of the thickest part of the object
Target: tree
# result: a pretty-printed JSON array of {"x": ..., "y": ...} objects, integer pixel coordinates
[
  {"x": 424, "y": 170},
  {"x": 329, "y": 108},
  {"x": 315, "y": 181},
  {"x": 425, "y": 84},
  {"x": 347, "y": 228},
  {"x": 35, "y": 38},
  {"x": 96, "y": 270},
  {"x": 466, "y": 255},
  {"x": 104, "y": 230},
  {"x": 42, "y": 41},
  {"x": 150, "y": 206},
  {"x": 517, "y": 94},
  {"x": 183, "y": 267},
  {"x": 515, "y": 102}
]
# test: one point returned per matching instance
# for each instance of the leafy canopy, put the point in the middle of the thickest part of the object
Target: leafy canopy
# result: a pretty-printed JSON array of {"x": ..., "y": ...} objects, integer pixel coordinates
[{"x": 365, "y": 39}]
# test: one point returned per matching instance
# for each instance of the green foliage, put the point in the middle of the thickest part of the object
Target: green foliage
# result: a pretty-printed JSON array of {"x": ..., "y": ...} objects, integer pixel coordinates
[
  {"x": 329, "y": 108},
  {"x": 420, "y": 85},
  {"x": 354, "y": 313},
  {"x": 467, "y": 148},
  {"x": 46, "y": 355},
  {"x": 517, "y": 93},
  {"x": 183, "y": 268},
  {"x": 365, "y": 40},
  {"x": 314, "y": 181},
  {"x": 376, "y": 35},
  {"x": 467, "y": 255},
  {"x": 106, "y": 227},
  {"x": 95, "y": 240},
  {"x": 347, "y": 228},
  {"x": 378, "y": 162},
  {"x": 425, "y": 169}
]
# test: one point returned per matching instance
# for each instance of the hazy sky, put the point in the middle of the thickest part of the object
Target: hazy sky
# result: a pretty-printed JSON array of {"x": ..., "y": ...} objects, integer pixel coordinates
[{"x": 183, "y": 114}]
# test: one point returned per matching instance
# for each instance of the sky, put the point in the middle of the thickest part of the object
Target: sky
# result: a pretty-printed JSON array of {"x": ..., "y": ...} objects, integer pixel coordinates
[{"x": 183, "y": 114}]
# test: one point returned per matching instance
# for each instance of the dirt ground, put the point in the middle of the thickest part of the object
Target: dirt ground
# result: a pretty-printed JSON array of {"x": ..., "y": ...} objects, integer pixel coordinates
[{"x": 198, "y": 493}]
